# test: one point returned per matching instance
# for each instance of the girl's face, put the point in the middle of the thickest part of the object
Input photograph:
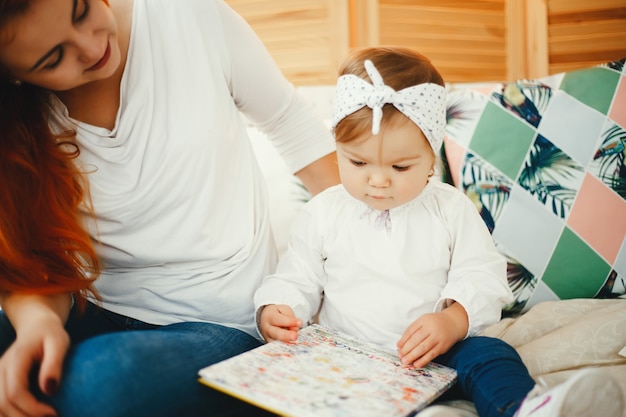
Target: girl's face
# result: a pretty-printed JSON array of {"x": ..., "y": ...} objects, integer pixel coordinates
[
  {"x": 389, "y": 169},
  {"x": 61, "y": 44}
]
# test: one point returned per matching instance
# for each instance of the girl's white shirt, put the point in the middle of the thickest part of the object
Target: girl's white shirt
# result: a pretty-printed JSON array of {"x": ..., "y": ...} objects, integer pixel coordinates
[
  {"x": 181, "y": 205},
  {"x": 380, "y": 271}
]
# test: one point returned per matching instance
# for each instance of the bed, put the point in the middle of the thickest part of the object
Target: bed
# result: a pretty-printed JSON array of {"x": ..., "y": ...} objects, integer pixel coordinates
[{"x": 560, "y": 223}]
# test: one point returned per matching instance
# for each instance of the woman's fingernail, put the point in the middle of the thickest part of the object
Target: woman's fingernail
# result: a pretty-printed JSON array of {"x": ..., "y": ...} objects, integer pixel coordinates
[{"x": 51, "y": 387}]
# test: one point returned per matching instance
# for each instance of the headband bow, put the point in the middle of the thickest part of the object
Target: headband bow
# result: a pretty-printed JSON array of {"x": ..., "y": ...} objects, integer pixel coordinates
[{"x": 424, "y": 104}]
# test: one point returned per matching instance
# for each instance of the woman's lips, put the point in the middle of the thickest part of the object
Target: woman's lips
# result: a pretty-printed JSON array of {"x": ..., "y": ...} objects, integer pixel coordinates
[{"x": 102, "y": 62}]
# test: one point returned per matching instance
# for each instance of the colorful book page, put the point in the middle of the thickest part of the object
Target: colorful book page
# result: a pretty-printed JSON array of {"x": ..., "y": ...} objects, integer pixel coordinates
[{"x": 328, "y": 374}]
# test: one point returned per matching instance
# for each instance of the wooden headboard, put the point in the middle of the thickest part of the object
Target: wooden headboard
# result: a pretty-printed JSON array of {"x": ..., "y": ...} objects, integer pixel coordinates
[{"x": 468, "y": 41}]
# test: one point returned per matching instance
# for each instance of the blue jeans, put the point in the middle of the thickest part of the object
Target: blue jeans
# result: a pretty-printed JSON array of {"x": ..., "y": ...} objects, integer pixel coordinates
[
  {"x": 490, "y": 374},
  {"x": 118, "y": 366}
]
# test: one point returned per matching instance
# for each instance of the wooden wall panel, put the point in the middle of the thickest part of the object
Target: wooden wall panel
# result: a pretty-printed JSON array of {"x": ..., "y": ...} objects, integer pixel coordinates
[
  {"x": 527, "y": 39},
  {"x": 307, "y": 38},
  {"x": 488, "y": 40},
  {"x": 583, "y": 33},
  {"x": 466, "y": 40}
]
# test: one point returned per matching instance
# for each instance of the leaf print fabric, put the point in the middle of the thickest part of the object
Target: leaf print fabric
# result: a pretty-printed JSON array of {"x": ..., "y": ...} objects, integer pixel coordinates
[{"x": 543, "y": 161}]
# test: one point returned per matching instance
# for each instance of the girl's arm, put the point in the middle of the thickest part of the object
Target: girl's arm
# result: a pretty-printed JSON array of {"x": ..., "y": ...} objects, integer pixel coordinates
[
  {"x": 278, "y": 322},
  {"x": 477, "y": 276},
  {"x": 41, "y": 340},
  {"x": 290, "y": 297}
]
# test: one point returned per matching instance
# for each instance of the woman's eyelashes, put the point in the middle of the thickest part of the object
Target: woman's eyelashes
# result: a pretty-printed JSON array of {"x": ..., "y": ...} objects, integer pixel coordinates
[
  {"x": 81, "y": 11},
  {"x": 54, "y": 63}
]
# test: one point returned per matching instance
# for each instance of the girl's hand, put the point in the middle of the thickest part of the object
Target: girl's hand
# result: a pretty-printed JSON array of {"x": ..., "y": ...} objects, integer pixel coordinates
[
  {"x": 279, "y": 322},
  {"x": 432, "y": 335}
]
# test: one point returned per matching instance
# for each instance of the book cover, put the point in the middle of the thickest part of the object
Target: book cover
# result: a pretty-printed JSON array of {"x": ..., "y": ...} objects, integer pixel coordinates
[{"x": 328, "y": 374}]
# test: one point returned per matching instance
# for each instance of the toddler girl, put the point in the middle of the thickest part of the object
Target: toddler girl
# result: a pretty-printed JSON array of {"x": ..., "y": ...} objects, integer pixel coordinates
[{"x": 403, "y": 260}]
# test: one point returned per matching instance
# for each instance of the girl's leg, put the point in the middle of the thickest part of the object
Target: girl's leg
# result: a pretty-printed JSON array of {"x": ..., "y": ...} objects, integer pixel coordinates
[
  {"x": 490, "y": 374},
  {"x": 151, "y": 373}
]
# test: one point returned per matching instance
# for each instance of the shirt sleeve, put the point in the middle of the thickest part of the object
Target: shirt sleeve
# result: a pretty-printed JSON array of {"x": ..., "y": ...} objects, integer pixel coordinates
[
  {"x": 300, "y": 277},
  {"x": 268, "y": 100},
  {"x": 477, "y": 276}
]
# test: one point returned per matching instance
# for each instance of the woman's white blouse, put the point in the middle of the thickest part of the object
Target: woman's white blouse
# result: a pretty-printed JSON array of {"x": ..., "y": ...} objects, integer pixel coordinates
[
  {"x": 181, "y": 205},
  {"x": 379, "y": 271}
]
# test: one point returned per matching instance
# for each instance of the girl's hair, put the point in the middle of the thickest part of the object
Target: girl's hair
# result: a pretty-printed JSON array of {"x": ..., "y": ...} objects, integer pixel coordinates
[
  {"x": 399, "y": 67},
  {"x": 44, "y": 247}
]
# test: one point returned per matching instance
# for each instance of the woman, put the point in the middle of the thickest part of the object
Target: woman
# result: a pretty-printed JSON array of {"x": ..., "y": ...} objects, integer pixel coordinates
[{"x": 133, "y": 201}]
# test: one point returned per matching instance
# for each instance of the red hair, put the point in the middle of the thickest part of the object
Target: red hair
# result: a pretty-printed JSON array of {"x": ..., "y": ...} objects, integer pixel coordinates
[{"x": 44, "y": 247}]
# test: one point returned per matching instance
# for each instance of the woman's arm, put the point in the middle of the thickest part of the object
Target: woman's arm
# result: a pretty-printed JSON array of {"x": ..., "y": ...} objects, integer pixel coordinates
[
  {"x": 320, "y": 174},
  {"x": 20, "y": 308},
  {"x": 262, "y": 93},
  {"x": 41, "y": 340}
]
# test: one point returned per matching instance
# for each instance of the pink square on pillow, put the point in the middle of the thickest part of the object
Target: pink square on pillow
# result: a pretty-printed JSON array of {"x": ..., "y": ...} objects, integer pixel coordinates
[
  {"x": 598, "y": 217},
  {"x": 618, "y": 110}
]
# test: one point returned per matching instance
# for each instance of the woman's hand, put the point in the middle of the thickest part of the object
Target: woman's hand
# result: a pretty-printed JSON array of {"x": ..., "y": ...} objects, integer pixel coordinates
[
  {"x": 41, "y": 344},
  {"x": 432, "y": 335},
  {"x": 279, "y": 322}
]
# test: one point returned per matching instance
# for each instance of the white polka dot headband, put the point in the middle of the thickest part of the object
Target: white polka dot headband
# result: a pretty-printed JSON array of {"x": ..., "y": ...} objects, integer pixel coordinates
[{"x": 424, "y": 104}]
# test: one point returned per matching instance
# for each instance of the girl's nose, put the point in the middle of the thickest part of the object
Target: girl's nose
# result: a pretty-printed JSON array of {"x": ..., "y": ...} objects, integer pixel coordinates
[{"x": 378, "y": 179}]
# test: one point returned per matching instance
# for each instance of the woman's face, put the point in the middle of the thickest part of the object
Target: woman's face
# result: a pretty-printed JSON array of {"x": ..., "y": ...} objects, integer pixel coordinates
[{"x": 61, "y": 44}]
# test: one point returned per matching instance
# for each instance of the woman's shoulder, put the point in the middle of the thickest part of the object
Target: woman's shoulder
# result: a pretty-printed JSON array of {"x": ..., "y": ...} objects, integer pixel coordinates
[{"x": 175, "y": 10}]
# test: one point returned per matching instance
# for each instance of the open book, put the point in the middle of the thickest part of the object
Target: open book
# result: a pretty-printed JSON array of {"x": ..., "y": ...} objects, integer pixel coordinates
[{"x": 326, "y": 373}]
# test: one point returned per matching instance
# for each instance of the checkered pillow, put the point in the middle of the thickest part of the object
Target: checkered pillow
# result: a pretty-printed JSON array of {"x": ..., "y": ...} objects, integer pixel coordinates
[{"x": 544, "y": 162}]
